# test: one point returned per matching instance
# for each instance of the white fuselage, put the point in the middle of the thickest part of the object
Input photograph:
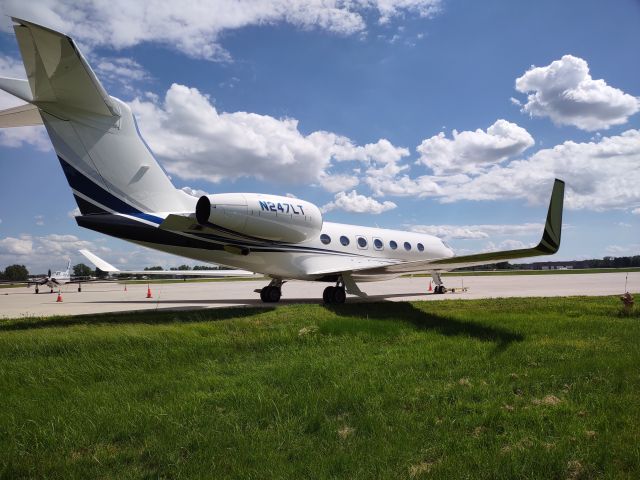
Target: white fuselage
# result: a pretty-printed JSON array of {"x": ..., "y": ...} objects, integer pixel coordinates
[{"x": 301, "y": 260}]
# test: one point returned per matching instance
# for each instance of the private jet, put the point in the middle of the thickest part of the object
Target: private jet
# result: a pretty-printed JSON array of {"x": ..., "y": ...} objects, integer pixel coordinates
[
  {"x": 122, "y": 191},
  {"x": 110, "y": 270}
]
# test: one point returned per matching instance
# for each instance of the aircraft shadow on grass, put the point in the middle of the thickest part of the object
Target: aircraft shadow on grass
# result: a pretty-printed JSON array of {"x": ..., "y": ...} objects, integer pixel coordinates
[
  {"x": 149, "y": 317},
  {"x": 374, "y": 308},
  {"x": 421, "y": 320}
]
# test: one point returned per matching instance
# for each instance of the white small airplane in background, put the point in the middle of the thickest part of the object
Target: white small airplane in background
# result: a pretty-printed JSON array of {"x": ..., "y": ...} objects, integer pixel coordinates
[
  {"x": 111, "y": 270},
  {"x": 55, "y": 280},
  {"x": 122, "y": 191}
]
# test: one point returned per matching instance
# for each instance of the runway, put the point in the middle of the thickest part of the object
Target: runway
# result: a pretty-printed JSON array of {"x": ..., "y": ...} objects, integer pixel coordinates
[{"x": 111, "y": 297}]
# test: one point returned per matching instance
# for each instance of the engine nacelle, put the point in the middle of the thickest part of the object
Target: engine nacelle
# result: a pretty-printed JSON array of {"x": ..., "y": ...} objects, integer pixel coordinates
[{"x": 268, "y": 217}]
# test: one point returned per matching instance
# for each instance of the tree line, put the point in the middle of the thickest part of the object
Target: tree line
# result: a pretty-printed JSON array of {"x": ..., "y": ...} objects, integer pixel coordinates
[{"x": 606, "y": 262}]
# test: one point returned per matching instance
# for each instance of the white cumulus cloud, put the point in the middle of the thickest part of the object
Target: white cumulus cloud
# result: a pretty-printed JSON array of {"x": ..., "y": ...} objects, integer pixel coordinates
[
  {"x": 599, "y": 175},
  {"x": 472, "y": 152},
  {"x": 196, "y": 142},
  {"x": 565, "y": 92},
  {"x": 195, "y": 27},
  {"x": 449, "y": 232},
  {"x": 354, "y": 202}
]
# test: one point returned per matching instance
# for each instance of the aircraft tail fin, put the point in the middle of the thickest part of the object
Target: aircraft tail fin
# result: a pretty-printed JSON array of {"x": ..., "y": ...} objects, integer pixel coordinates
[
  {"x": 57, "y": 71},
  {"x": 107, "y": 163}
]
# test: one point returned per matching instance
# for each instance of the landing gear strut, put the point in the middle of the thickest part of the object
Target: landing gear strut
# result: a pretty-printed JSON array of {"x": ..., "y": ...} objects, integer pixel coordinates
[
  {"x": 79, "y": 288},
  {"x": 335, "y": 295},
  {"x": 272, "y": 292},
  {"x": 37, "y": 290}
]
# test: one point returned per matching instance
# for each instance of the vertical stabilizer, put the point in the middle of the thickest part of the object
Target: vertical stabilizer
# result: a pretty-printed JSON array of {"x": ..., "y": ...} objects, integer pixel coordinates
[{"x": 108, "y": 165}]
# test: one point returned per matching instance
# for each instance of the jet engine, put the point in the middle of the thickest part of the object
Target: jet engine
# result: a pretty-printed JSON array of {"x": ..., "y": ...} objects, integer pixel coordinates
[{"x": 267, "y": 217}]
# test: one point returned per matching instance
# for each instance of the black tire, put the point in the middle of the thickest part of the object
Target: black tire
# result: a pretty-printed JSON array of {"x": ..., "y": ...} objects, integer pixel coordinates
[
  {"x": 263, "y": 294},
  {"x": 79, "y": 288},
  {"x": 327, "y": 295},
  {"x": 339, "y": 296},
  {"x": 273, "y": 294},
  {"x": 37, "y": 290}
]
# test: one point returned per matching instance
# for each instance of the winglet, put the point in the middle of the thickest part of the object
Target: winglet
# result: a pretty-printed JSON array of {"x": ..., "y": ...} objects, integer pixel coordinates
[
  {"x": 98, "y": 262},
  {"x": 550, "y": 242}
]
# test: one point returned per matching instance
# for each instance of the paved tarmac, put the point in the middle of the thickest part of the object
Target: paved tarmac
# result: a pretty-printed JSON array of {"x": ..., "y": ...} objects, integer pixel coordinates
[{"x": 111, "y": 297}]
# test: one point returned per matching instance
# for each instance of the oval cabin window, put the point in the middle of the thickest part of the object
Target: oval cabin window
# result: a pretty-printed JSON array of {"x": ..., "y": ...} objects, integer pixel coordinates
[
  {"x": 326, "y": 239},
  {"x": 407, "y": 246},
  {"x": 377, "y": 243},
  {"x": 421, "y": 247},
  {"x": 344, "y": 240},
  {"x": 393, "y": 244},
  {"x": 362, "y": 242}
]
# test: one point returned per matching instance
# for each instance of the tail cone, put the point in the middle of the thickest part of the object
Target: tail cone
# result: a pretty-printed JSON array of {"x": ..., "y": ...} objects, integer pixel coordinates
[{"x": 59, "y": 299}]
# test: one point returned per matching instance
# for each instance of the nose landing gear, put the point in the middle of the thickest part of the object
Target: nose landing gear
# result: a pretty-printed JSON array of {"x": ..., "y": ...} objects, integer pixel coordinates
[
  {"x": 439, "y": 288},
  {"x": 272, "y": 292}
]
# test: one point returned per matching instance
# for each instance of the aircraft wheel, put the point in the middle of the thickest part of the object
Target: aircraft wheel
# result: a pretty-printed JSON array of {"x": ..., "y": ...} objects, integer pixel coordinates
[
  {"x": 79, "y": 288},
  {"x": 274, "y": 294},
  {"x": 327, "y": 295},
  {"x": 270, "y": 294},
  {"x": 339, "y": 296},
  {"x": 37, "y": 290}
]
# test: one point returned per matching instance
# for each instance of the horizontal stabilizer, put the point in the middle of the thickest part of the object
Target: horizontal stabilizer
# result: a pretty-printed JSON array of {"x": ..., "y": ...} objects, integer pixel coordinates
[
  {"x": 17, "y": 88},
  {"x": 58, "y": 73},
  {"x": 21, "y": 116}
]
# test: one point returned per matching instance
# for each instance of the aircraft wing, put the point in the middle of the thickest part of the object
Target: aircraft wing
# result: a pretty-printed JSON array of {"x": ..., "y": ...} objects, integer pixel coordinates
[
  {"x": 548, "y": 245},
  {"x": 108, "y": 268},
  {"x": 57, "y": 72}
]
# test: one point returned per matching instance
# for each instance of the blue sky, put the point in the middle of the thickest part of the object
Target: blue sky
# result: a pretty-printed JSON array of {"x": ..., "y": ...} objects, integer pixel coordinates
[{"x": 354, "y": 108}]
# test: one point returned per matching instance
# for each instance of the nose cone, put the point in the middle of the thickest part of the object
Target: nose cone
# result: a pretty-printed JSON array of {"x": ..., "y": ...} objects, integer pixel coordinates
[{"x": 447, "y": 251}]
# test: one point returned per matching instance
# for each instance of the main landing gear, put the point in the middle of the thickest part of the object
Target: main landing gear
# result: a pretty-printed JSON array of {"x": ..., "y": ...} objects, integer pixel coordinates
[
  {"x": 272, "y": 292},
  {"x": 37, "y": 289},
  {"x": 334, "y": 295}
]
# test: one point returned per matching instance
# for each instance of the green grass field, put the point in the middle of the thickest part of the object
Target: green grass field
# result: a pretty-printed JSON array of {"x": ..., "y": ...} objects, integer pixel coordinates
[{"x": 512, "y": 388}]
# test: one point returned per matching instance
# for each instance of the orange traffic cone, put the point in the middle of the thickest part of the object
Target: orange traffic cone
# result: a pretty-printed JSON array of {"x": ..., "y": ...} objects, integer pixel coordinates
[
  {"x": 148, "y": 291},
  {"x": 59, "y": 299},
  {"x": 430, "y": 288}
]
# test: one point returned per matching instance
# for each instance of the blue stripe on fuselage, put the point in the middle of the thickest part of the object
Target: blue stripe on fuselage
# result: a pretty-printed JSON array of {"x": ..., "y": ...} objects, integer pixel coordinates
[{"x": 90, "y": 189}]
